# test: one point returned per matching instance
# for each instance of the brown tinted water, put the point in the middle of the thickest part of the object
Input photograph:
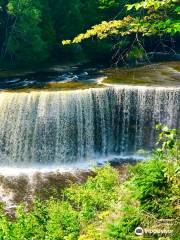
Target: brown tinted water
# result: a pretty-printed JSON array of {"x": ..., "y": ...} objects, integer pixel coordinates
[
  {"x": 159, "y": 74},
  {"x": 105, "y": 120}
]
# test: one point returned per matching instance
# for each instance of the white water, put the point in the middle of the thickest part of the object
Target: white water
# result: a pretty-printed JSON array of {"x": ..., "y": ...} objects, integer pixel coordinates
[{"x": 61, "y": 128}]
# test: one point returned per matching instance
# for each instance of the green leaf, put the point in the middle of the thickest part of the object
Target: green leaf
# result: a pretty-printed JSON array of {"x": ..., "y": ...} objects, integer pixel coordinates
[{"x": 129, "y": 6}]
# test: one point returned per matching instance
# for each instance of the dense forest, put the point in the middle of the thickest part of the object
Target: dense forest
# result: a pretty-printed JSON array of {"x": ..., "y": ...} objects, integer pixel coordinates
[{"x": 32, "y": 31}]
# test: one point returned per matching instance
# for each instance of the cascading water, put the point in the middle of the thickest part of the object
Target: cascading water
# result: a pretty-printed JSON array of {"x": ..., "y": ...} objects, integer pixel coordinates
[{"x": 64, "y": 127}]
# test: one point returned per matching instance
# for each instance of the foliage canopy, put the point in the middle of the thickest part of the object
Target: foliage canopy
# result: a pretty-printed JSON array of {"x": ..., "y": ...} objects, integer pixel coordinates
[
  {"x": 158, "y": 18},
  {"x": 31, "y": 30}
]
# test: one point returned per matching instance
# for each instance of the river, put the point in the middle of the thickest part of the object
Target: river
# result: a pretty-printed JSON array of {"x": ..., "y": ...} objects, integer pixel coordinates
[{"x": 56, "y": 122}]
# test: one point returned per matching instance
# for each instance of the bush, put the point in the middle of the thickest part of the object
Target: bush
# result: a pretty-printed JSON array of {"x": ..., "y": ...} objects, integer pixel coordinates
[
  {"x": 63, "y": 223},
  {"x": 104, "y": 209},
  {"x": 152, "y": 188},
  {"x": 125, "y": 226},
  {"x": 63, "y": 220},
  {"x": 155, "y": 185},
  {"x": 97, "y": 194}
]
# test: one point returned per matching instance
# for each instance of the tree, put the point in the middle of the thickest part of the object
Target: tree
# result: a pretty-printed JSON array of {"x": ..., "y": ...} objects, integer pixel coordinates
[
  {"x": 148, "y": 18},
  {"x": 23, "y": 40},
  {"x": 160, "y": 17}
]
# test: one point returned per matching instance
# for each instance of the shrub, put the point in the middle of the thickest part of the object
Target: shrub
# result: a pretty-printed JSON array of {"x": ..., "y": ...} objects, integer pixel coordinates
[
  {"x": 87, "y": 211},
  {"x": 97, "y": 194},
  {"x": 63, "y": 223},
  {"x": 152, "y": 188},
  {"x": 63, "y": 219},
  {"x": 155, "y": 185}
]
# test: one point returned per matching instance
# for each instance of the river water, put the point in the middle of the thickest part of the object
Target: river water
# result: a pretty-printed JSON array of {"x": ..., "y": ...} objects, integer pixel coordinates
[{"x": 53, "y": 128}]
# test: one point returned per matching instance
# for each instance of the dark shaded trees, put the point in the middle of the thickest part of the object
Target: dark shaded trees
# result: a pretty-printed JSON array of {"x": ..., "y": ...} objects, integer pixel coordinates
[
  {"x": 31, "y": 31},
  {"x": 23, "y": 40},
  {"x": 136, "y": 22}
]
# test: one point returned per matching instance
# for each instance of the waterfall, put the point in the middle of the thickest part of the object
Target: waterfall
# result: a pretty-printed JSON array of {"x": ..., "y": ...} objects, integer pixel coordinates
[{"x": 68, "y": 126}]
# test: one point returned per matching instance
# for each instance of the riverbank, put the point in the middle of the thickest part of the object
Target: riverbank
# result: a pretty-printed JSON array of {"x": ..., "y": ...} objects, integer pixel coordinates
[
  {"x": 154, "y": 74},
  {"x": 20, "y": 186},
  {"x": 106, "y": 206}
]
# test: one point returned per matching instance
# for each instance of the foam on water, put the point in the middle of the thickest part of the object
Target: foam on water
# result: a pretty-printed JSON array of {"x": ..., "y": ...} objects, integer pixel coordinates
[
  {"x": 48, "y": 138},
  {"x": 74, "y": 127},
  {"x": 64, "y": 168}
]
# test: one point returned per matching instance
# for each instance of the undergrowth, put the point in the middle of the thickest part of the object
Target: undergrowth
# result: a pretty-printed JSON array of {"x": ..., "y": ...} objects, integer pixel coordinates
[{"x": 104, "y": 208}]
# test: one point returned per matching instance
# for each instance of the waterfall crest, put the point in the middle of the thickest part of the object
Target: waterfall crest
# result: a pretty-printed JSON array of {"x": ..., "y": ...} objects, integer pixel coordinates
[{"x": 63, "y": 127}]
